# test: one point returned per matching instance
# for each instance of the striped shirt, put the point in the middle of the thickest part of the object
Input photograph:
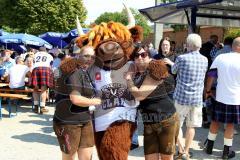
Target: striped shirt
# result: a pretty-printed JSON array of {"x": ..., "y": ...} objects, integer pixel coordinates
[{"x": 190, "y": 69}]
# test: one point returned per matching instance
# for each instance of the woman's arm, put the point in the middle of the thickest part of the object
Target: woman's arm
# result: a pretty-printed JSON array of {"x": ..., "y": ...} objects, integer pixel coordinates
[
  {"x": 82, "y": 101},
  {"x": 147, "y": 87}
]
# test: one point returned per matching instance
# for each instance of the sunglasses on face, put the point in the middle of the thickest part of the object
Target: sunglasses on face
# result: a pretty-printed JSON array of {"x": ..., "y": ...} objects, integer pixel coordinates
[{"x": 143, "y": 55}]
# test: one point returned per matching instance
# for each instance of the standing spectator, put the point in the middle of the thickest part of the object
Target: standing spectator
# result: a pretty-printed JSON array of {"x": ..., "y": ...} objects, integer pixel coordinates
[
  {"x": 190, "y": 69},
  {"x": 226, "y": 48},
  {"x": 227, "y": 108},
  {"x": 42, "y": 78},
  {"x": 17, "y": 74},
  {"x": 164, "y": 51},
  {"x": 207, "y": 47}
]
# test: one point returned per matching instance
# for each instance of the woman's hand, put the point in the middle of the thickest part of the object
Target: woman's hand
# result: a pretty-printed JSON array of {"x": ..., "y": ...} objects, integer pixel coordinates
[
  {"x": 97, "y": 101},
  {"x": 168, "y": 61},
  {"x": 128, "y": 75}
]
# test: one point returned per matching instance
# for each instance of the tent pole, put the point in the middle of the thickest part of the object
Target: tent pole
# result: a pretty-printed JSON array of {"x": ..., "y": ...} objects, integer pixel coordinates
[
  {"x": 193, "y": 19},
  {"x": 189, "y": 21}
]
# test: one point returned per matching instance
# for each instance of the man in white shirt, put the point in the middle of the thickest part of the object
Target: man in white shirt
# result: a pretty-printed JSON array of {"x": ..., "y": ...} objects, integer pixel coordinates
[
  {"x": 42, "y": 59},
  {"x": 226, "y": 69},
  {"x": 42, "y": 78},
  {"x": 17, "y": 74}
]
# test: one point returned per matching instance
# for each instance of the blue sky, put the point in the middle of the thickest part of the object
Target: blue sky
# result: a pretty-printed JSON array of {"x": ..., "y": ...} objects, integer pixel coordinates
[{"x": 96, "y": 7}]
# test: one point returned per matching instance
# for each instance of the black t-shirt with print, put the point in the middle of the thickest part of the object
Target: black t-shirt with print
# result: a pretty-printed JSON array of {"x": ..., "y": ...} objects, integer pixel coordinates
[
  {"x": 158, "y": 105},
  {"x": 66, "y": 112}
]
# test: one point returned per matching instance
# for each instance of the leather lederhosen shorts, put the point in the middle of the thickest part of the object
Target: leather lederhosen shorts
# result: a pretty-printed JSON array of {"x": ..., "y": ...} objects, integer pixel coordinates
[
  {"x": 73, "y": 137},
  {"x": 161, "y": 137}
]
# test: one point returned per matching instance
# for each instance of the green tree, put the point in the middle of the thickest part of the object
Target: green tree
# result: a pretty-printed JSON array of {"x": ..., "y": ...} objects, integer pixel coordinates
[
  {"x": 122, "y": 18},
  {"x": 39, "y": 16},
  {"x": 112, "y": 16},
  {"x": 232, "y": 32}
]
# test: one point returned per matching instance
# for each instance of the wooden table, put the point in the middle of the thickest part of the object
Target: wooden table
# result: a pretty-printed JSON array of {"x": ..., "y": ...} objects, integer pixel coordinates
[
  {"x": 10, "y": 96},
  {"x": 3, "y": 84}
]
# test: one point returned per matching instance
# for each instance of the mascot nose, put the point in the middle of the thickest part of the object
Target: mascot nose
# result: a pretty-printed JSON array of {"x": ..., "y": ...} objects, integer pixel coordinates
[{"x": 109, "y": 47}]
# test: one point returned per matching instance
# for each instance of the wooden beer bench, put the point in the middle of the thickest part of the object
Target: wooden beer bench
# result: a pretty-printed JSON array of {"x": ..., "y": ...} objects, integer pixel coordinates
[
  {"x": 12, "y": 94},
  {"x": 10, "y": 97}
]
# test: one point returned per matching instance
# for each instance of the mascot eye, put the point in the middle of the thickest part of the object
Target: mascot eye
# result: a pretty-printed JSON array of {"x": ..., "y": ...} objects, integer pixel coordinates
[
  {"x": 100, "y": 49},
  {"x": 117, "y": 47}
]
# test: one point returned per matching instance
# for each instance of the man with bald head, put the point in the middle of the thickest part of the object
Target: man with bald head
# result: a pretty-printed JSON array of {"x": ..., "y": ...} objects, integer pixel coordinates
[{"x": 226, "y": 69}]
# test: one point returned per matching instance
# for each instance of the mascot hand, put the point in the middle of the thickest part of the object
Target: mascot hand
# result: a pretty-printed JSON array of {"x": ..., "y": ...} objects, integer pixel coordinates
[{"x": 158, "y": 70}]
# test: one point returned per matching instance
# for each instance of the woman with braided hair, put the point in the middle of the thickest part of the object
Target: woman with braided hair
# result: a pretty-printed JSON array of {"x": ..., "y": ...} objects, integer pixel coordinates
[{"x": 161, "y": 123}]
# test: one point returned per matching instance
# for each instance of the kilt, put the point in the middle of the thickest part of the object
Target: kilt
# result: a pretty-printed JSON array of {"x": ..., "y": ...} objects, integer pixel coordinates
[
  {"x": 42, "y": 76},
  {"x": 225, "y": 113}
]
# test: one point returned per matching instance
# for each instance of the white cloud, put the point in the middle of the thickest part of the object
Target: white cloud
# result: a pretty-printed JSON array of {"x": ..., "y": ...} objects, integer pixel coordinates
[{"x": 96, "y": 7}]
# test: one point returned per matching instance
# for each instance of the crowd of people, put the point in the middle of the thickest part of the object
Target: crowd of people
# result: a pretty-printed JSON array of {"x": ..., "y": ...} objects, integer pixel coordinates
[
  {"x": 33, "y": 69},
  {"x": 205, "y": 72}
]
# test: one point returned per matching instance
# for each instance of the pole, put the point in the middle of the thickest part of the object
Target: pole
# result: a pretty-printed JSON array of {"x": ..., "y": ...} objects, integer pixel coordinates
[
  {"x": 193, "y": 19},
  {"x": 158, "y": 29}
]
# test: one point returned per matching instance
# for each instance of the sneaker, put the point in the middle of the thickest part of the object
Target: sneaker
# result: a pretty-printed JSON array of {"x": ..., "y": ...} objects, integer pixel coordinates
[
  {"x": 134, "y": 146},
  {"x": 43, "y": 110}
]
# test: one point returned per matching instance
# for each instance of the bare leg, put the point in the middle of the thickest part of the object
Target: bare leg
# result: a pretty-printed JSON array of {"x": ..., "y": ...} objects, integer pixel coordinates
[
  {"x": 68, "y": 157},
  {"x": 189, "y": 138},
  {"x": 228, "y": 133},
  {"x": 214, "y": 127},
  {"x": 166, "y": 157},
  {"x": 85, "y": 153},
  {"x": 154, "y": 156},
  {"x": 43, "y": 96},
  {"x": 35, "y": 97},
  {"x": 36, "y": 100},
  {"x": 180, "y": 141}
]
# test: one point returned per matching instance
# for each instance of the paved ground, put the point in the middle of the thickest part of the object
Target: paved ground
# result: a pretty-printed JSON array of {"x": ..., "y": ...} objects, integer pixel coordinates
[{"x": 29, "y": 136}]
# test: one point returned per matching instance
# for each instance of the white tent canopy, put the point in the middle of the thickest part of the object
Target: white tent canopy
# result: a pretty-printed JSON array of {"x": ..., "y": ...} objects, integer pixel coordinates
[{"x": 223, "y": 13}]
